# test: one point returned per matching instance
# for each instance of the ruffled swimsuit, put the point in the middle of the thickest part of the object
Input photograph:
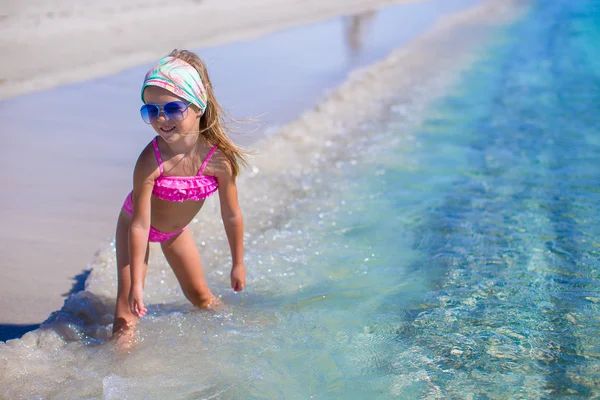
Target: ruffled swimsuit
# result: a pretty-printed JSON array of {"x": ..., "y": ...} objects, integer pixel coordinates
[{"x": 177, "y": 189}]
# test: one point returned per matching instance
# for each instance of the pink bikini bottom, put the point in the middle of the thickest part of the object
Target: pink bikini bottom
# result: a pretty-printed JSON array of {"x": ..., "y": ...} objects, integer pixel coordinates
[{"x": 155, "y": 235}]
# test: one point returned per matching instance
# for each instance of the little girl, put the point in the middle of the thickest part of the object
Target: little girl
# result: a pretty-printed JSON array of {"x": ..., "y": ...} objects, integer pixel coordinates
[{"x": 191, "y": 159}]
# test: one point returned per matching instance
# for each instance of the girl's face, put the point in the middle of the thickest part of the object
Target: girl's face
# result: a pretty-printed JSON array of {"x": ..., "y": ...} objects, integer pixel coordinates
[{"x": 169, "y": 129}]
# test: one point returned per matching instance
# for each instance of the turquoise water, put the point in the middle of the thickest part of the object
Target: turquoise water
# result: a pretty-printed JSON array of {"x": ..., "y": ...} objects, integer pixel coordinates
[
  {"x": 501, "y": 200},
  {"x": 463, "y": 262},
  {"x": 453, "y": 258}
]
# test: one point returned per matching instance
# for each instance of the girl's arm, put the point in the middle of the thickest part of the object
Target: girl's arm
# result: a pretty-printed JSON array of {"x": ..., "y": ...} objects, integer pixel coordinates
[
  {"x": 143, "y": 182},
  {"x": 234, "y": 225}
]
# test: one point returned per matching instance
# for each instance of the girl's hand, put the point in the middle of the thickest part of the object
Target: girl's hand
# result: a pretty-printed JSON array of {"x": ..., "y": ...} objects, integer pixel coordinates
[
  {"x": 238, "y": 277},
  {"x": 136, "y": 301}
]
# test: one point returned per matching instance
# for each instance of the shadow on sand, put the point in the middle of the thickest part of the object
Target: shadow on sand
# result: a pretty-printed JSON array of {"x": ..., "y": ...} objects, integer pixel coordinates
[{"x": 15, "y": 331}]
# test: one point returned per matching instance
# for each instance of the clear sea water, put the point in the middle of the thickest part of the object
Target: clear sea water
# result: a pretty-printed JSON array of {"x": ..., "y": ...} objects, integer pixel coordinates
[{"x": 456, "y": 257}]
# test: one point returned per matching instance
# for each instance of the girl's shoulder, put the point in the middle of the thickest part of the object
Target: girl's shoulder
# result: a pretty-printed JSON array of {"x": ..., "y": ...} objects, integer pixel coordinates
[
  {"x": 147, "y": 163},
  {"x": 219, "y": 164}
]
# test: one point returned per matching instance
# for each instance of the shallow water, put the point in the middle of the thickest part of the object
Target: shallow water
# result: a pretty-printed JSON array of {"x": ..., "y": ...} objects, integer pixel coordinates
[{"x": 450, "y": 255}]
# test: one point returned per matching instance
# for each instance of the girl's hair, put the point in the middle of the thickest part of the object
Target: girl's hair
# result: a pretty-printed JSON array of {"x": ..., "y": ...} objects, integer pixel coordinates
[{"x": 212, "y": 122}]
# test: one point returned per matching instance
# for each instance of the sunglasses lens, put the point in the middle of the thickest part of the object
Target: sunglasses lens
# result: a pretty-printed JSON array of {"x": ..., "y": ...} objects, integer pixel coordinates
[
  {"x": 149, "y": 113},
  {"x": 176, "y": 110}
]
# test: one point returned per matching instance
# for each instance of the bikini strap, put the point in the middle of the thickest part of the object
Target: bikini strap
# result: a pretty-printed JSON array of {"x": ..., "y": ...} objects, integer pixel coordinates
[
  {"x": 210, "y": 153},
  {"x": 157, "y": 153}
]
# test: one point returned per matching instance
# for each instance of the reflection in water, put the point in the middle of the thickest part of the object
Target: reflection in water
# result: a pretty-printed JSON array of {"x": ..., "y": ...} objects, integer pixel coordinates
[{"x": 356, "y": 29}]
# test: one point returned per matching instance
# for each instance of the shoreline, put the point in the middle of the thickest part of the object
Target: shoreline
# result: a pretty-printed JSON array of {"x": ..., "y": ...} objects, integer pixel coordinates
[{"x": 78, "y": 216}]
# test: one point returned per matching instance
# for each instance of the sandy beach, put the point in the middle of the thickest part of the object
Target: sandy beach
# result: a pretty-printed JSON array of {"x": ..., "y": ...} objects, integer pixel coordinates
[
  {"x": 65, "y": 41},
  {"x": 79, "y": 148}
]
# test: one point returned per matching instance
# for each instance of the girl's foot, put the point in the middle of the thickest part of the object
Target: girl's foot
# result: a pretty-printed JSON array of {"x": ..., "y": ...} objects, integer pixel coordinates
[
  {"x": 215, "y": 304},
  {"x": 126, "y": 337}
]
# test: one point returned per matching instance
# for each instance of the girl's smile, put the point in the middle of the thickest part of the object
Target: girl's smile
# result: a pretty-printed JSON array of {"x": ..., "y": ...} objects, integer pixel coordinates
[{"x": 166, "y": 129}]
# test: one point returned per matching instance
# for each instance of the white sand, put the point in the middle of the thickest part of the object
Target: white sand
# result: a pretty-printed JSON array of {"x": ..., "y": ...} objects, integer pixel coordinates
[{"x": 59, "y": 41}]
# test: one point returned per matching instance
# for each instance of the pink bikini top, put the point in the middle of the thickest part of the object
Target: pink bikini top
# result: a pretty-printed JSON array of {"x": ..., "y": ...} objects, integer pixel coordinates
[{"x": 184, "y": 188}]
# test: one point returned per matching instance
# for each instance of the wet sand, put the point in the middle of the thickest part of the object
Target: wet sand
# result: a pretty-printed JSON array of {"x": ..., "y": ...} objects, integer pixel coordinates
[{"x": 69, "y": 151}]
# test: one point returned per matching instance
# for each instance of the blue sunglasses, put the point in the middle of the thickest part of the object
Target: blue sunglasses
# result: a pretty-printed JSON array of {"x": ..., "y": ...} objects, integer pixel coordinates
[{"x": 175, "y": 110}]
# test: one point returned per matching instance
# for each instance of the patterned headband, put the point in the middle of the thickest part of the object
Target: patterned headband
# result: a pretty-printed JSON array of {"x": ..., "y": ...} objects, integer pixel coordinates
[{"x": 179, "y": 78}]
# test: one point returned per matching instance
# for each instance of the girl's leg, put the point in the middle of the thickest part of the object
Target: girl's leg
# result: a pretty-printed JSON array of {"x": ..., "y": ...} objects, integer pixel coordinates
[
  {"x": 123, "y": 316},
  {"x": 182, "y": 254}
]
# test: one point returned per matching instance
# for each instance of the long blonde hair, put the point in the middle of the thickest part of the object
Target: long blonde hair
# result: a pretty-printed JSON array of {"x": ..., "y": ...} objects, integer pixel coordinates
[{"x": 212, "y": 122}]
